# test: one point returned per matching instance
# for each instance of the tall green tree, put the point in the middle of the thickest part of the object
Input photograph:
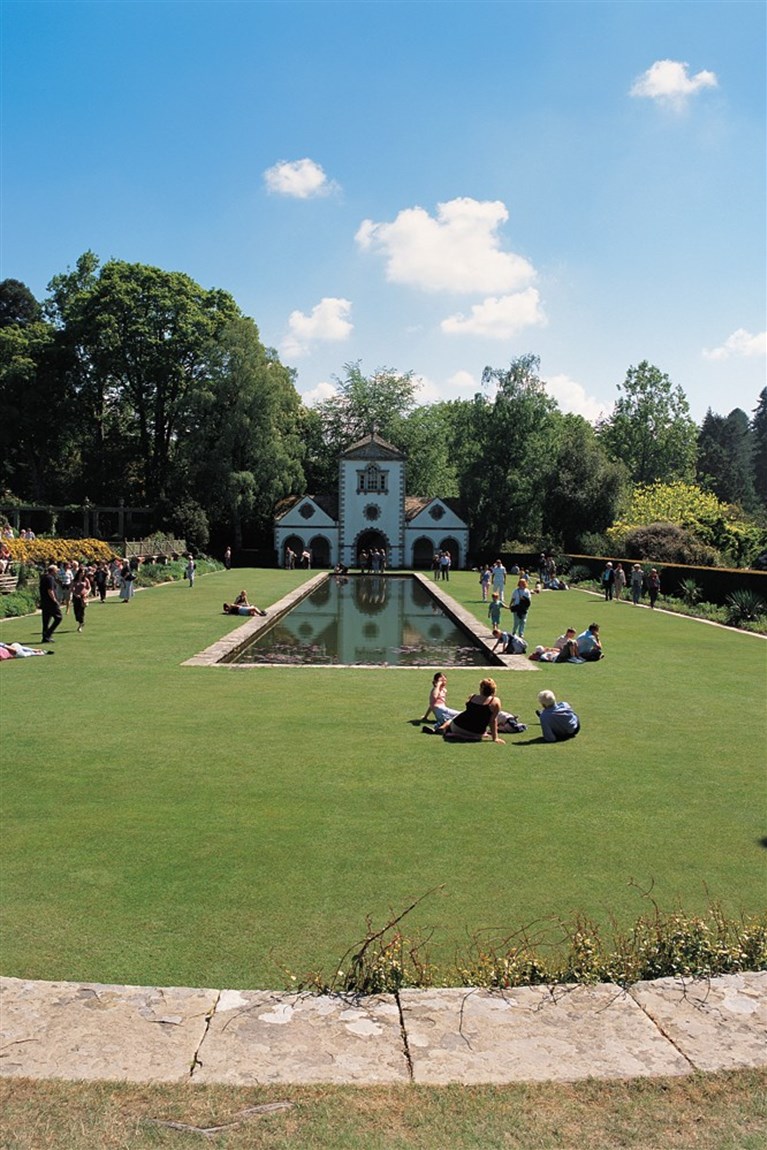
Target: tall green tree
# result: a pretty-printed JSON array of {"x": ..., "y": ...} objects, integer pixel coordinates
[
  {"x": 725, "y": 464},
  {"x": 242, "y": 449},
  {"x": 140, "y": 341},
  {"x": 650, "y": 429},
  {"x": 759, "y": 431},
  {"x": 17, "y": 304},
  {"x": 426, "y": 438},
  {"x": 583, "y": 487},
  {"x": 513, "y": 434},
  {"x": 379, "y": 403}
]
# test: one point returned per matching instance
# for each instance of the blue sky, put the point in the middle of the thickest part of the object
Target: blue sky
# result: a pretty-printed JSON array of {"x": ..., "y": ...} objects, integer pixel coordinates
[{"x": 431, "y": 186}]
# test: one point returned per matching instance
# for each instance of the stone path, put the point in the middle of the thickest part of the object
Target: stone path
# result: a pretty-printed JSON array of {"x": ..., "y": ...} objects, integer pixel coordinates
[{"x": 150, "y": 1034}]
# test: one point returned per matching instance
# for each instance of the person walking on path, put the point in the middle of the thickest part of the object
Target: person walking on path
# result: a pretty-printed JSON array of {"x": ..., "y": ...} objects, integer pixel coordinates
[
  {"x": 520, "y": 605},
  {"x": 637, "y": 584},
  {"x": 607, "y": 579},
  {"x": 494, "y": 610},
  {"x": 499, "y": 578},
  {"x": 127, "y": 590},
  {"x": 653, "y": 586},
  {"x": 49, "y": 604},
  {"x": 80, "y": 591},
  {"x": 191, "y": 569},
  {"x": 619, "y": 580}
]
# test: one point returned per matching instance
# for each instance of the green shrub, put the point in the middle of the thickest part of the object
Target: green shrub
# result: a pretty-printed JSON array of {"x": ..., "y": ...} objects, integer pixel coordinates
[
  {"x": 744, "y": 606},
  {"x": 578, "y": 573},
  {"x": 659, "y": 945},
  {"x": 23, "y": 601},
  {"x": 690, "y": 592}
]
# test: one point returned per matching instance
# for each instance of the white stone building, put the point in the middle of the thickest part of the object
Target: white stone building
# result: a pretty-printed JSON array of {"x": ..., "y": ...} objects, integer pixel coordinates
[{"x": 371, "y": 510}]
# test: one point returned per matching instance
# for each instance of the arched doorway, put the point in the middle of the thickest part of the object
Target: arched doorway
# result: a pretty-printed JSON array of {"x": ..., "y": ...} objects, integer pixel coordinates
[
  {"x": 296, "y": 545},
  {"x": 320, "y": 549},
  {"x": 368, "y": 541},
  {"x": 423, "y": 553}
]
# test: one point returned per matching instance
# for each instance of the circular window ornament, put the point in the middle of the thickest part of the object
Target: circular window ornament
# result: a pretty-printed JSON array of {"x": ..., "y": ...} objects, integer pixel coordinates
[
  {"x": 306, "y": 511},
  {"x": 437, "y": 511},
  {"x": 372, "y": 511}
]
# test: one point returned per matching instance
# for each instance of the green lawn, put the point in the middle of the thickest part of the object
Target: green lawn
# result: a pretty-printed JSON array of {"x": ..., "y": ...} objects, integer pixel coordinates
[{"x": 171, "y": 825}]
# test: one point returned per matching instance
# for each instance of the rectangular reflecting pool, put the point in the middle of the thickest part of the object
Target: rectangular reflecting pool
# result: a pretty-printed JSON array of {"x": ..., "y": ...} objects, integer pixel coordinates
[{"x": 366, "y": 620}]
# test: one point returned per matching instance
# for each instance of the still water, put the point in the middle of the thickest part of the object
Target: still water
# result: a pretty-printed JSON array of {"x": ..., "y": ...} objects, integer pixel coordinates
[{"x": 366, "y": 620}]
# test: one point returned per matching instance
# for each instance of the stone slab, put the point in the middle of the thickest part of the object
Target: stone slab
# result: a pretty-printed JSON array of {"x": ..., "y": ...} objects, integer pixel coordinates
[
  {"x": 260, "y": 1036},
  {"x": 533, "y": 1034},
  {"x": 719, "y": 1024},
  {"x": 91, "y": 1031}
]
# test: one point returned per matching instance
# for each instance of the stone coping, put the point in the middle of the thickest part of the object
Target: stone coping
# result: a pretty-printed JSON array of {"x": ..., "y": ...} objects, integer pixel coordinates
[
  {"x": 92, "y": 1031},
  {"x": 216, "y": 653}
]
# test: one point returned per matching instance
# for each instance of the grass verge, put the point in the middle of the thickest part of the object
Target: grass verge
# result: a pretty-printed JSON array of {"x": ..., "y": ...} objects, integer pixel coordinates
[{"x": 726, "y": 1111}]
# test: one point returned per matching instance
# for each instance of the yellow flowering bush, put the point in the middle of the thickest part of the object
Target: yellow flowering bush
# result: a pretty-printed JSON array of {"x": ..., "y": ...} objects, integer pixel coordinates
[
  {"x": 681, "y": 503},
  {"x": 38, "y": 551}
]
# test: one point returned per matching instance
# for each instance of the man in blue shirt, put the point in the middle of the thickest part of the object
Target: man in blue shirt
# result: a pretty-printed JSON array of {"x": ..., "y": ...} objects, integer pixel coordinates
[
  {"x": 558, "y": 720},
  {"x": 590, "y": 645}
]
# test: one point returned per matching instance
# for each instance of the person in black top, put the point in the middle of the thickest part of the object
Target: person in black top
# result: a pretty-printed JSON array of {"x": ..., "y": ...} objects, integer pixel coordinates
[{"x": 49, "y": 604}]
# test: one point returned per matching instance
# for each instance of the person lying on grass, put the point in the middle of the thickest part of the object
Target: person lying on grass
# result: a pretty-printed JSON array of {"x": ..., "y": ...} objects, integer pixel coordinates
[
  {"x": 19, "y": 651},
  {"x": 479, "y": 719},
  {"x": 242, "y": 609}
]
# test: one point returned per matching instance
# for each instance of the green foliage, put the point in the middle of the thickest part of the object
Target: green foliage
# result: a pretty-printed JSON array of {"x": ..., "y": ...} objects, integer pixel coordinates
[
  {"x": 22, "y": 601},
  {"x": 188, "y": 521},
  {"x": 725, "y": 462},
  {"x": 658, "y": 945},
  {"x": 667, "y": 543},
  {"x": 17, "y": 304},
  {"x": 582, "y": 487},
  {"x": 745, "y": 606},
  {"x": 708, "y": 530},
  {"x": 690, "y": 592},
  {"x": 365, "y": 404},
  {"x": 506, "y": 441},
  {"x": 650, "y": 430},
  {"x": 578, "y": 573}
]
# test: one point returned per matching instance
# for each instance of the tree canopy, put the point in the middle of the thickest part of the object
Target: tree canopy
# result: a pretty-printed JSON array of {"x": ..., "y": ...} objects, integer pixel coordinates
[
  {"x": 130, "y": 382},
  {"x": 650, "y": 429}
]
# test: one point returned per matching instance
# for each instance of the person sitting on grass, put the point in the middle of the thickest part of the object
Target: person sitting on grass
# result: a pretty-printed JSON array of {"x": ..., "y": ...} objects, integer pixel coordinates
[
  {"x": 242, "y": 609},
  {"x": 590, "y": 645},
  {"x": 558, "y": 720},
  {"x": 479, "y": 719},
  {"x": 438, "y": 701}
]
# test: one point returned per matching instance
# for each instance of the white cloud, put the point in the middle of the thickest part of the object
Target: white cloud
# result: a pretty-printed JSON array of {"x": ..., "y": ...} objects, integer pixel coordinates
[
  {"x": 327, "y": 321},
  {"x": 457, "y": 251},
  {"x": 460, "y": 385},
  {"x": 301, "y": 179},
  {"x": 668, "y": 82},
  {"x": 740, "y": 343},
  {"x": 319, "y": 394},
  {"x": 572, "y": 397},
  {"x": 498, "y": 318}
]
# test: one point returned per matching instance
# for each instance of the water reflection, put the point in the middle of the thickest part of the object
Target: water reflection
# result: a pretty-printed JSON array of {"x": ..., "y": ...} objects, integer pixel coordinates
[{"x": 368, "y": 620}]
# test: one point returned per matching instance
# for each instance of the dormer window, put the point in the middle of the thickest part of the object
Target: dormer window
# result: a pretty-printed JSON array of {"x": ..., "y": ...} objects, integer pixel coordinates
[{"x": 372, "y": 479}]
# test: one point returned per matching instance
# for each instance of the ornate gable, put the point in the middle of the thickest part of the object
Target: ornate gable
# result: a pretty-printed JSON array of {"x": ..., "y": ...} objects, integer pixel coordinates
[{"x": 372, "y": 447}]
